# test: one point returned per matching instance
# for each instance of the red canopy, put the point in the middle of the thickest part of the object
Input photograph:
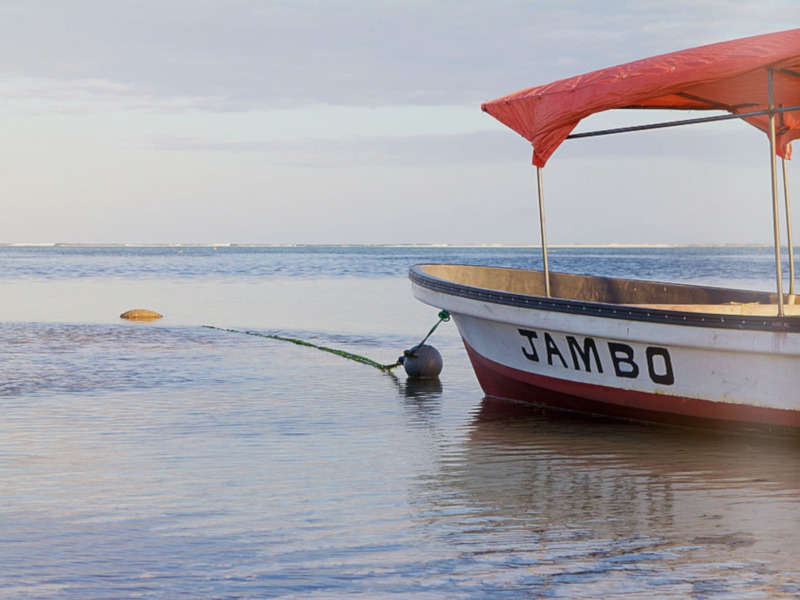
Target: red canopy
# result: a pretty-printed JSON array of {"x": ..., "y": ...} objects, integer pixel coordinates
[{"x": 729, "y": 76}]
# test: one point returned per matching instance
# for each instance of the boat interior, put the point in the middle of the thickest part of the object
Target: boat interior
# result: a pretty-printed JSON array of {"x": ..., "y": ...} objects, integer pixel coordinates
[{"x": 612, "y": 290}]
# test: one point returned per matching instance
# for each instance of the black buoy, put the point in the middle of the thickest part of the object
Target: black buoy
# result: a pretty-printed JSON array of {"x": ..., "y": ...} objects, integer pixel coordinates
[{"x": 422, "y": 362}]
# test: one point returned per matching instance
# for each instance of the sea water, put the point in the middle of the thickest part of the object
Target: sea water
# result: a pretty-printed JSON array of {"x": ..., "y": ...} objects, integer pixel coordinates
[{"x": 171, "y": 460}]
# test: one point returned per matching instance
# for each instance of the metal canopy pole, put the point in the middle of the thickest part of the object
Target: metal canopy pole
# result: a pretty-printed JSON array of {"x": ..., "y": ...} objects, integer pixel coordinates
[
  {"x": 788, "y": 210},
  {"x": 789, "y": 231},
  {"x": 540, "y": 187},
  {"x": 740, "y": 115},
  {"x": 775, "y": 209}
]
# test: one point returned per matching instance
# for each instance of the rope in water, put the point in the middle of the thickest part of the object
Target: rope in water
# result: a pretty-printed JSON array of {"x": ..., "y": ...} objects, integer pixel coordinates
[{"x": 443, "y": 316}]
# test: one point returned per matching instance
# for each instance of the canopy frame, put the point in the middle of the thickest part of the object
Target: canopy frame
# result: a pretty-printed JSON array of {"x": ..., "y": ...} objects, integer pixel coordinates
[
  {"x": 542, "y": 231},
  {"x": 721, "y": 76},
  {"x": 776, "y": 224},
  {"x": 771, "y": 112},
  {"x": 665, "y": 124}
]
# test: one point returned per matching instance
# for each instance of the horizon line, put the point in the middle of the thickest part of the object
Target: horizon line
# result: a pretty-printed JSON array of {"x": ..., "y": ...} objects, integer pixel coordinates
[{"x": 366, "y": 245}]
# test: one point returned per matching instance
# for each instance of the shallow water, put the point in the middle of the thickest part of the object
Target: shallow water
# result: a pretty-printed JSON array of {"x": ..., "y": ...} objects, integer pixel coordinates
[{"x": 168, "y": 460}]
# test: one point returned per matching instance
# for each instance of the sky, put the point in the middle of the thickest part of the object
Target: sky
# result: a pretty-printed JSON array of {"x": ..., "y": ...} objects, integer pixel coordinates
[{"x": 356, "y": 122}]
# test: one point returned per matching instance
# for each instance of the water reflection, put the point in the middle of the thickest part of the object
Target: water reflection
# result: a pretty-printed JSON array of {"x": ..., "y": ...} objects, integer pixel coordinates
[
  {"x": 421, "y": 388},
  {"x": 591, "y": 503},
  {"x": 421, "y": 400}
]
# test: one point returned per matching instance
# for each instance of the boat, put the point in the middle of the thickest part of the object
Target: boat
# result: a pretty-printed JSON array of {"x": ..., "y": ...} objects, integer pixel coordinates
[{"x": 681, "y": 354}]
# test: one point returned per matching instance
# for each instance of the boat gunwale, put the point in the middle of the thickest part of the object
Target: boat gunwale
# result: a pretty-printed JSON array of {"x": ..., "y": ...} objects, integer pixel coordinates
[{"x": 631, "y": 312}]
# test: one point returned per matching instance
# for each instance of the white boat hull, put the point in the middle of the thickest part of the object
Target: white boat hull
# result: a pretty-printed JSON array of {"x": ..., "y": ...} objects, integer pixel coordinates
[{"x": 652, "y": 364}]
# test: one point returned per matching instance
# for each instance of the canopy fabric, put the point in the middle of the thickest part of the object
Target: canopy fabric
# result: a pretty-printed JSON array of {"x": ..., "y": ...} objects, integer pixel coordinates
[{"x": 729, "y": 76}]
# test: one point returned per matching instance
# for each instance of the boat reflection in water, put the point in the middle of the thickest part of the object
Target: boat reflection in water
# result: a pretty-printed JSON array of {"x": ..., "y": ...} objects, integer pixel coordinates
[{"x": 581, "y": 502}]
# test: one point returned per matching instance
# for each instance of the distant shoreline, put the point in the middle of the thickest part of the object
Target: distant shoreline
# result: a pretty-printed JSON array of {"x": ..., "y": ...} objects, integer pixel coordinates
[{"x": 438, "y": 246}]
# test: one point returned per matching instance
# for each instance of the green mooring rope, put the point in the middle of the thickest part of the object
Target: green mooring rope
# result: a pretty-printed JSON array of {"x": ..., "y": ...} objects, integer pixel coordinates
[{"x": 443, "y": 316}]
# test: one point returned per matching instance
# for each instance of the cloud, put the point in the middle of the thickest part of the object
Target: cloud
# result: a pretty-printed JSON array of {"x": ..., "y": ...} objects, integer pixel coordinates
[
  {"x": 222, "y": 117},
  {"x": 740, "y": 146},
  {"x": 31, "y": 96},
  {"x": 468, "y": 148},
  {"x": 251, "y": 55}
]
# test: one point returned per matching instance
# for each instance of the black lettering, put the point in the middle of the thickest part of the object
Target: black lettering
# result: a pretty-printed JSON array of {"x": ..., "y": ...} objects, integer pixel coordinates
[
  {"x": 585, "y": 354},
  {"x": 668, "y": 376},
  {"x": 531, "y": 335},
  {"x": 622, "y": 354},
  {"x": 552, "y": 350}
]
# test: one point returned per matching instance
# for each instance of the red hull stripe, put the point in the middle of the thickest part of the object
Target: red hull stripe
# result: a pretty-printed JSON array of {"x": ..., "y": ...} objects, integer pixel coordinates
[{"x": 504, "y": 382}]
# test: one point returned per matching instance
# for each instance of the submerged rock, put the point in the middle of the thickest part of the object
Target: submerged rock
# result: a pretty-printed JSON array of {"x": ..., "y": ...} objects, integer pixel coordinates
[{"x": 140, "y": 314}]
